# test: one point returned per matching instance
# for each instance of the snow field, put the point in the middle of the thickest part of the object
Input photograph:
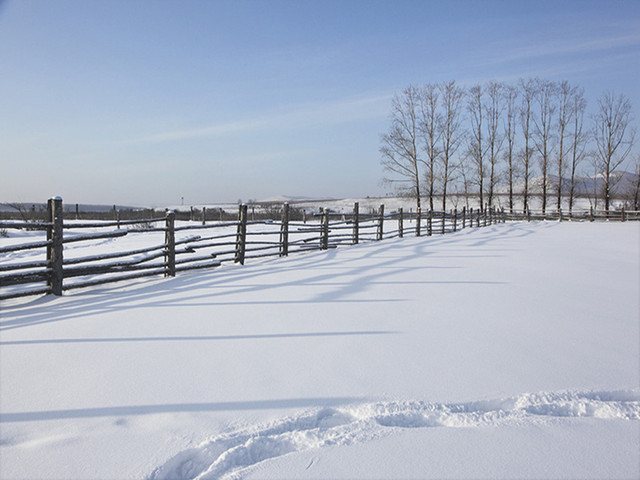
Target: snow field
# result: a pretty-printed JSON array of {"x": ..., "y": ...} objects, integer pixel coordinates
[{"x": 338, "y": 364}]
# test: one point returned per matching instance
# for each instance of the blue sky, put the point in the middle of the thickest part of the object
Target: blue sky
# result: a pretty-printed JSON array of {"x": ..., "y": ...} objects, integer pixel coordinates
[{"x": 144, "y": 102}]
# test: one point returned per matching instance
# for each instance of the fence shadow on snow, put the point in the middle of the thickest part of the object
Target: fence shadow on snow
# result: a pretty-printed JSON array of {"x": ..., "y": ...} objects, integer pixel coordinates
[
  {"x": 166, "y": 247},
  {"x": 328, "y": 282}
]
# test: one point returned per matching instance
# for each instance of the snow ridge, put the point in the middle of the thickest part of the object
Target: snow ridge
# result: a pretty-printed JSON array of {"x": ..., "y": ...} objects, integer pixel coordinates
[{"x": 232, "y": 454}]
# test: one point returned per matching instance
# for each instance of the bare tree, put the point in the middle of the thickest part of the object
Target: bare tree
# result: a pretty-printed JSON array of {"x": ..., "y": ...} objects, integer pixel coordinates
[
  {"x": 545, "y": 94},
  {"x": 510, "y": 95},
  {"x": 579, "y": 140},
  {"x": 635, "y": 189},
  {"x": 477, "y": 150},
  {"x": 429, "y": 120},
  {"x": 528, "y": 92},
  {"x": 400, "y": 145},
  {"x": 451, "y": 131},
  {"x": 566, "y": 92},
  {"x": 613, "y": 136},
  {"x": 26, "y": 214},
  {"x": 466, "y": 181},
  {"x": 493, "y": 109}
]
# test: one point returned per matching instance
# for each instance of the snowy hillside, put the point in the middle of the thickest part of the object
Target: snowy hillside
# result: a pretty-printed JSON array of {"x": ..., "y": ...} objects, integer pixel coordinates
[{"x": 503, "y": 352}]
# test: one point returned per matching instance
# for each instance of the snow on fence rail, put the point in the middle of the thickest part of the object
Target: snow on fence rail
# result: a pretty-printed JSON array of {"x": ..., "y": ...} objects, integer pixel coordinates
[
  {"x": 163, "y": 246},
  {"x": 590, "y": 215}
]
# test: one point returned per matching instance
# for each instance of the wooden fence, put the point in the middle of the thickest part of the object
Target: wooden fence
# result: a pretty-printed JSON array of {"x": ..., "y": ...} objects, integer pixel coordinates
[
  {"x": 176, "y": 246},
  {"x": 590, "y": 215}
]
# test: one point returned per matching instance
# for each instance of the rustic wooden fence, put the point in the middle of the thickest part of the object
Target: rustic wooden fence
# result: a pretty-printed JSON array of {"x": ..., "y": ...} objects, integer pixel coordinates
[
  {"x": 196, "y": 245},
  {"x": 590, "y": 215}
]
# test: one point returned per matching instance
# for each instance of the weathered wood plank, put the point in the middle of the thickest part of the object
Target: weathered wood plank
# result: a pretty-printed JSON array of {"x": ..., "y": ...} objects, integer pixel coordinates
[
  {"x": 284, "y": 231},
  {"x": 25, "y": 293},
  {"x": 26, "y": 246},
  {"x": 170, "y": 244},
  {"x": 22, "y": 278},
  {"x": 95, "y": 236},
  {"x": 241, "y": 234},
  {"x": 54, "y": 251},
  {"x": 23, "y": 266},
  {"x": 107, "y": 256}
]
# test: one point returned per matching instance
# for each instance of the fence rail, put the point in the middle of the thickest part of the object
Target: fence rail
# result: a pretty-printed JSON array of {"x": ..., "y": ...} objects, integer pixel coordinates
[
  {"x": 169, "y": 248},
  {"x": 590, "y": 215}
]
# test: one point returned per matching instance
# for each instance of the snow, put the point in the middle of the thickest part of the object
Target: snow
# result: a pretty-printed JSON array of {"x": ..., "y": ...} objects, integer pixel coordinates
[{"x": 503, "y": 352}]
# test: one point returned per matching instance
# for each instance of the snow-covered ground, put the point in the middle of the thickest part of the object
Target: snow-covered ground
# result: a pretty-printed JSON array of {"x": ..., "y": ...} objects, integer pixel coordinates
[{"x": 507, "y": 351}]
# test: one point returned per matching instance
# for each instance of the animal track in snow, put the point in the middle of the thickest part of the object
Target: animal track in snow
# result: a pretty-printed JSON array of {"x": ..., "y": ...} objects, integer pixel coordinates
[{"x": 229, "y": 455}]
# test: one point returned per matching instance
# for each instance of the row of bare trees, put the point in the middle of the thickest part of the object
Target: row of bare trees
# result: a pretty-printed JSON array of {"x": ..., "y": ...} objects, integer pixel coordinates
[{"x": 444, "y": 138}]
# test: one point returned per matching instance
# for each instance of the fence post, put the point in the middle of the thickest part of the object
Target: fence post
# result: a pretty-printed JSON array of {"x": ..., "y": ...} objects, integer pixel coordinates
[
  {"x": 418, "y": 221},
  {"x": 400, "y": 223},
  {"x": 324, "y": 244},
  {"x": 77, "y": 212},
  {"x": 622, "y": 218},
  {"x": 591, "y": 213},
  {"x": 241, "y": 236},
  {"x": 455, "y": 219},
  {"x": 528, "y": 214},
  {"x": 464, "y": 217},
  {"x": 559, "y": 214},
  {"x": 204, "y": 215},
  {"x": 380, "y": 223},
  {"x": 170, "y": 244},
  {"x": 54, "y": 250},
  {"x": 356, "y": 223},
  {"x": 284, "y": 231},
  {"x": 444, "y": 220},
  {"x": 429, "y": 222}
]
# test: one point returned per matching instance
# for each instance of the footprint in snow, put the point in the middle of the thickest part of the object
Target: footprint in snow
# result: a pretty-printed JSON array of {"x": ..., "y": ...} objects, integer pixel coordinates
[{"x": 232, "y": 454}]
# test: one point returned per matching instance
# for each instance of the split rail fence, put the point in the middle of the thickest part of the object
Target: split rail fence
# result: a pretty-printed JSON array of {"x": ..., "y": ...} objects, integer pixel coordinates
[
  {"x": 590, "y": 215},
  {"x": 174, "y": 246},
  {"x": 171, "y": 246}
]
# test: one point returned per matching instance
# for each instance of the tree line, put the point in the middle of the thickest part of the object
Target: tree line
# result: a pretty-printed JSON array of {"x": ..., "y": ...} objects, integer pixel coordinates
[{"x": 444, "y": 137}]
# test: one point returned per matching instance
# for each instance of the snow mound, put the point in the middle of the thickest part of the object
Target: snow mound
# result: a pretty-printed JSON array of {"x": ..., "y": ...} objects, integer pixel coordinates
[{"x": 231, "y": 454}]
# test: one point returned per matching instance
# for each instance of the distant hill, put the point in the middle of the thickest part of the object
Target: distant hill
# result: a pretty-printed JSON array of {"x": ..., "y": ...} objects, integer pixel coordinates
[
  {"x": 622, "y": 184},
  {"x": 68, "y": 207},
  {"x": 292, "y": 199}
]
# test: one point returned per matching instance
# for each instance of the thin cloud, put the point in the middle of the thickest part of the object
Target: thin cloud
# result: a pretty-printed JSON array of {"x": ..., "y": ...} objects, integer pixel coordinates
[
  {"x": 302, "y": 115},
  {"x": 584, "y": 46},
  {"x": 556, "y": 70}
]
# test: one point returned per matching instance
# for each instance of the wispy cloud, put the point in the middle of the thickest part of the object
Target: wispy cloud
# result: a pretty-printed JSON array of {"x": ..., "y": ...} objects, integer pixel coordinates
[
  {"x": 557, "y": 48},
  {"x": 329, "y": 113},
  {"x": 551, "y": 70}
]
